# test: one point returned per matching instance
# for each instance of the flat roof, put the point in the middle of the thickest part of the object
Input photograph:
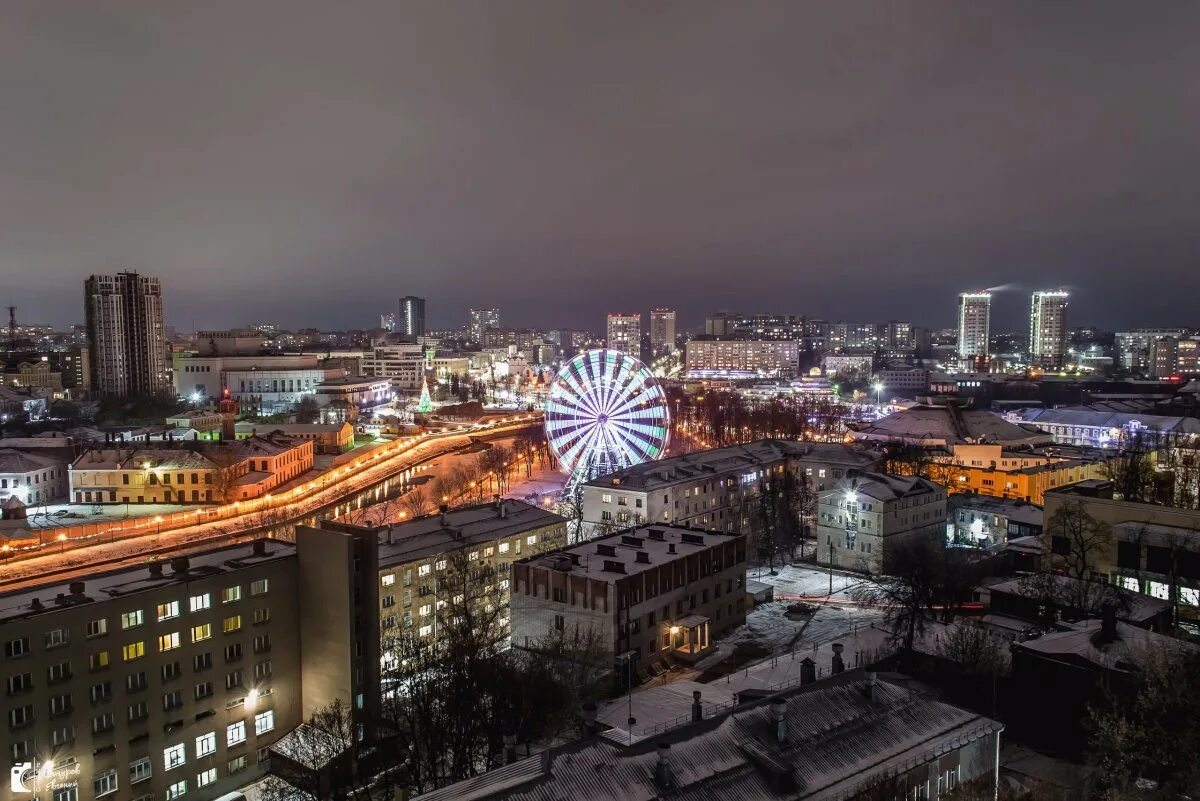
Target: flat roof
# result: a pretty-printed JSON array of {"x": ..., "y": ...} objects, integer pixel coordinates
[
  {"x": 947, "y": 424},
  {"x": 629, "y": 552},
  {"x": 56, "y": 594},
  {"x": 437, "y": 533}
]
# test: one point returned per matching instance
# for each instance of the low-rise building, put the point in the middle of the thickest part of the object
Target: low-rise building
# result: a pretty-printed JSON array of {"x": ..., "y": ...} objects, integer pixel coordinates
[
  {"x": 249, "y": 468},
  {"x": 364, "y": 393},
  {"x": 326, "y": 437},
  {"x": 645, "y": 594},
  {"x": 1152, "y": 549},
  {"x": 982, "y": 520},
  {"x": 156, "y": 680},
  {"x": 707, "y": 488},
  {"x": 851, "y": 737},
  {"x": 206, "y": 423},
  {"x": 31, "y": 478},
  {"x": 1100, "y": 428},
  {"x": 869, "y": 517}
]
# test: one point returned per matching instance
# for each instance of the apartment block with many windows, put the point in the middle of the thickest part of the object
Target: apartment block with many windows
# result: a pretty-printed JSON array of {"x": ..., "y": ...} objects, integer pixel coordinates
[
  {"x": 160, "y": 681},
  {"x": 647, "y": 594}
]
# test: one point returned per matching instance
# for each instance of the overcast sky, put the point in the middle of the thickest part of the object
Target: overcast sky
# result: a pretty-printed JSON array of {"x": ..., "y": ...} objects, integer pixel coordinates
[{"x": 306, "y": 163}]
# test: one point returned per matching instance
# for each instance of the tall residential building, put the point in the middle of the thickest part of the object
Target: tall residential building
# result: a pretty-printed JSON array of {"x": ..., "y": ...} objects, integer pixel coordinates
[
  {"x": 1132, "y": 349},
  {"x": 662, "y": 332},
  {"x": 387, "y": 321},
  {"x": 411, "y": 322},
  {"x": 480, "y": 320},
  {"x": 125, "y": 332},
  {"x": 1048, "y": 329},
  {"x": 625, "y": 333},
  {"x": 974, "y": 321}
]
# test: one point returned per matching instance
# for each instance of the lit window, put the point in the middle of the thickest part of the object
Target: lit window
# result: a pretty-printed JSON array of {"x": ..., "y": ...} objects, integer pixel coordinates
[
  {"x": 174, "y": 756},
  {"x": 439, "y": 564},
  {"x": 232, "y": 623},
  {"x": 424, "y": 570},
  {"x": 198, "y": 603},
  {"x": 1189, "y": 595},
  {"x": 1160, "y": 590},
  {"x": 425, "y": 631},
  {"x": 388, "y": 579},
  {"x": 168, "y": 610},
  {"x": 259, "y": 587},
  {"x": 131, "y": 619},
  {"x": 425, "y": 610},
  {"x": 235, "y": 733},
  {"x": 206, "y": 778},
  {"x": 135, "y": 650},
  {"x": 264, "y": 722},
  {"x": 206, "y": 744},
  {"x": 168, "y": 642},
  {"x": 231, "y": 594},
  {"x": 531, "y": 539},
  {"x": 504, "y": 547},
  {"x": 201, "y": 632},
  {"x": 176, "y": 790},
  {"x": 104, "y": 783}
]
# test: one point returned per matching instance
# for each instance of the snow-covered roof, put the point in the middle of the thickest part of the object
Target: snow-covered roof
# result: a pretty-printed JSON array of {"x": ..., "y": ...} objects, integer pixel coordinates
[
  {"x": 1103, "y": 418},
  {"x": 840, "y": 736},
  {"x": 945, "y": 425},
  {"x": 12, "y": 461},
  {"x": 1084, "y": 643},
  {"x": 653, "y": 476}
]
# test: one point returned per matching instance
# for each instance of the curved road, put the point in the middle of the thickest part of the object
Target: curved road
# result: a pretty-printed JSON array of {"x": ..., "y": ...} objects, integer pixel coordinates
[{"x": 327, "y": 489}]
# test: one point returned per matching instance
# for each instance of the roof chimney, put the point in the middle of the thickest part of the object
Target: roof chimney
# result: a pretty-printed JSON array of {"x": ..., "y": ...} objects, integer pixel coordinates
[
  {"x": 76, "y": 587},
  {"x": 260, "y": 548},
  {"x": 180, "y": 564},
  {"x": 589, "y": 717},
  {"x": 779, "y": 717},
  {"x": 503, "y": 507},
  {"x": 663, "y": 779},
  {"x": 155, "y": 568},
  {"x": 445, "y": 510},
  {"x": 697, "y": 709},
  {"x": 872, "y": 688},
  {"x": 1108, "y": 624},
  {"x": 838, "y": 665},
  {"x": 510, "y": 748},
  {"x": 670, "y": 547}
]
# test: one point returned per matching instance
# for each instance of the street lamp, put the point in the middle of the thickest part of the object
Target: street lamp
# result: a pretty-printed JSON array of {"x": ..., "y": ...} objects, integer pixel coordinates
[{"x": 878, "y": 390}]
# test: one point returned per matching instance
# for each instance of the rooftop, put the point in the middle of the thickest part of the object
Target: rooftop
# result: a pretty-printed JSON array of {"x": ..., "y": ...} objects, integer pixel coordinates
[
  {"x": 651, "y": 476},
  {"x": 29, "y": 601},
  {"x": 631, "y": 551},
  {"x": 1101, "y": 417},
  {"x": 13, "y": 461},
  {"x": 1131, "y": 606},
  {"x": 1083, "y": 644},
  {"x": 1018, "y": 510},
  {"x": 437, "y": 533},
  {"x": 883, "y": 487},
  {"x": 945, "y": 425},
  {"x": 133, "y": 458},
  {"x": 840, "y": 735}
]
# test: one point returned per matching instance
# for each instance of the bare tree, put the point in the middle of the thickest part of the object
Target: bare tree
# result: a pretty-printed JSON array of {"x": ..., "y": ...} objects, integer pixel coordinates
[
  {"x": 909, "y": 597},
  {"x": 1131, "y": 470},
  {"x": 1079, "y": 543},
  {"x": 417, "y": 502},
  {"x": 228, "y": 468}
]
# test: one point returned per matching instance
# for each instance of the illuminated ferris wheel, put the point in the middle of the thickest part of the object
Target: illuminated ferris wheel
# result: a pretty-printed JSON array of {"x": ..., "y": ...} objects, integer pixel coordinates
[{"x": 605, "y": 412}]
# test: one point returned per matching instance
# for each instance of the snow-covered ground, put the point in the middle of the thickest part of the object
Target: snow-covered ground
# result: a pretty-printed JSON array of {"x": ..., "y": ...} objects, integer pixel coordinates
[
  {"x": 805, "y": 580},
  {"x": 540, "y": 485}
]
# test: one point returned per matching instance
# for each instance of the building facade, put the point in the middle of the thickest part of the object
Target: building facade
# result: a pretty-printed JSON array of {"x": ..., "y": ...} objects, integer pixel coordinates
[
  {"x": 411, "y": 320},
  {"x": 480, "y": 320},
  {"x": 645, "y": 594},
  {"x": 740, "y": 358},
  {"x": 126, "y": 339},
  {"x": 625, "y": 334},
  {"x": 712, "y": 489},
  {"x": 662, "y": 332},
  {"x": 31, "y": 478},
  {"x": 974, "y": 325},
  {"x": 155, "y": 681},
  {"x": 869, "y": 517},
  {"x": 1048, "y": 329}
]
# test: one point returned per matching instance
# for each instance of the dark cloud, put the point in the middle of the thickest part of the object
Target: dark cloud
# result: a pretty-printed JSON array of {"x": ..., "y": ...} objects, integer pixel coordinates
[{"x": 307, "y": 162}]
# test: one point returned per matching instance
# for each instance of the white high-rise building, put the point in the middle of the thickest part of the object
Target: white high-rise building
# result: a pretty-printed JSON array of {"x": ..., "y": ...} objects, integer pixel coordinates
[
  {"x": 480, "y": 320},
  {"x": 1048, "y": 329},
  {"x": 411, "y": 322},
  {"x": 625, "y": 333},
  {"x": 662, "y": 332},
  {"x": 126, "y": 335},
  {"x": 974, "y": 325}
]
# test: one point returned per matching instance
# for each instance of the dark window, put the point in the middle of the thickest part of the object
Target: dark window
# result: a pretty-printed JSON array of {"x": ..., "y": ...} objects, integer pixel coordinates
[
  {"x": 1060, "y": 545},
  {"x": 1129, "y": 555},
  {"x": 1158, "y": 560}
]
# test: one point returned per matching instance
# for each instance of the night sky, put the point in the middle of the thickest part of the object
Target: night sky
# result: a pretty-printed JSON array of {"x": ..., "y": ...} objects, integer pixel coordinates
[{"x": 306, "y": 163}]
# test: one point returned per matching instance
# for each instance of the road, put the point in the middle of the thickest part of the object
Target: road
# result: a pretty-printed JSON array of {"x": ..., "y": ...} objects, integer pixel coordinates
[{"x": 238, "y": 521}]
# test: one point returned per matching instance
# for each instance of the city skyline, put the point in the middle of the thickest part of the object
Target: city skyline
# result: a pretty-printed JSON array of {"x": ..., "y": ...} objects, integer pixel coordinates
[{"x": 1051, "y": 163}]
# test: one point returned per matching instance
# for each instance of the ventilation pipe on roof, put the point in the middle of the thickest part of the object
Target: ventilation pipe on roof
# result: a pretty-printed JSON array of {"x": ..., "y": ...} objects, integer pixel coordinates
[
  {"x": 663, "y": 780},
  {"x": 872, "y": 688},
  {"x": 510, "y": 748},
  {"x": 697, "y": 708},
  {"x": 779, "y": 718},
  {"x": 589, "y": 717}
]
